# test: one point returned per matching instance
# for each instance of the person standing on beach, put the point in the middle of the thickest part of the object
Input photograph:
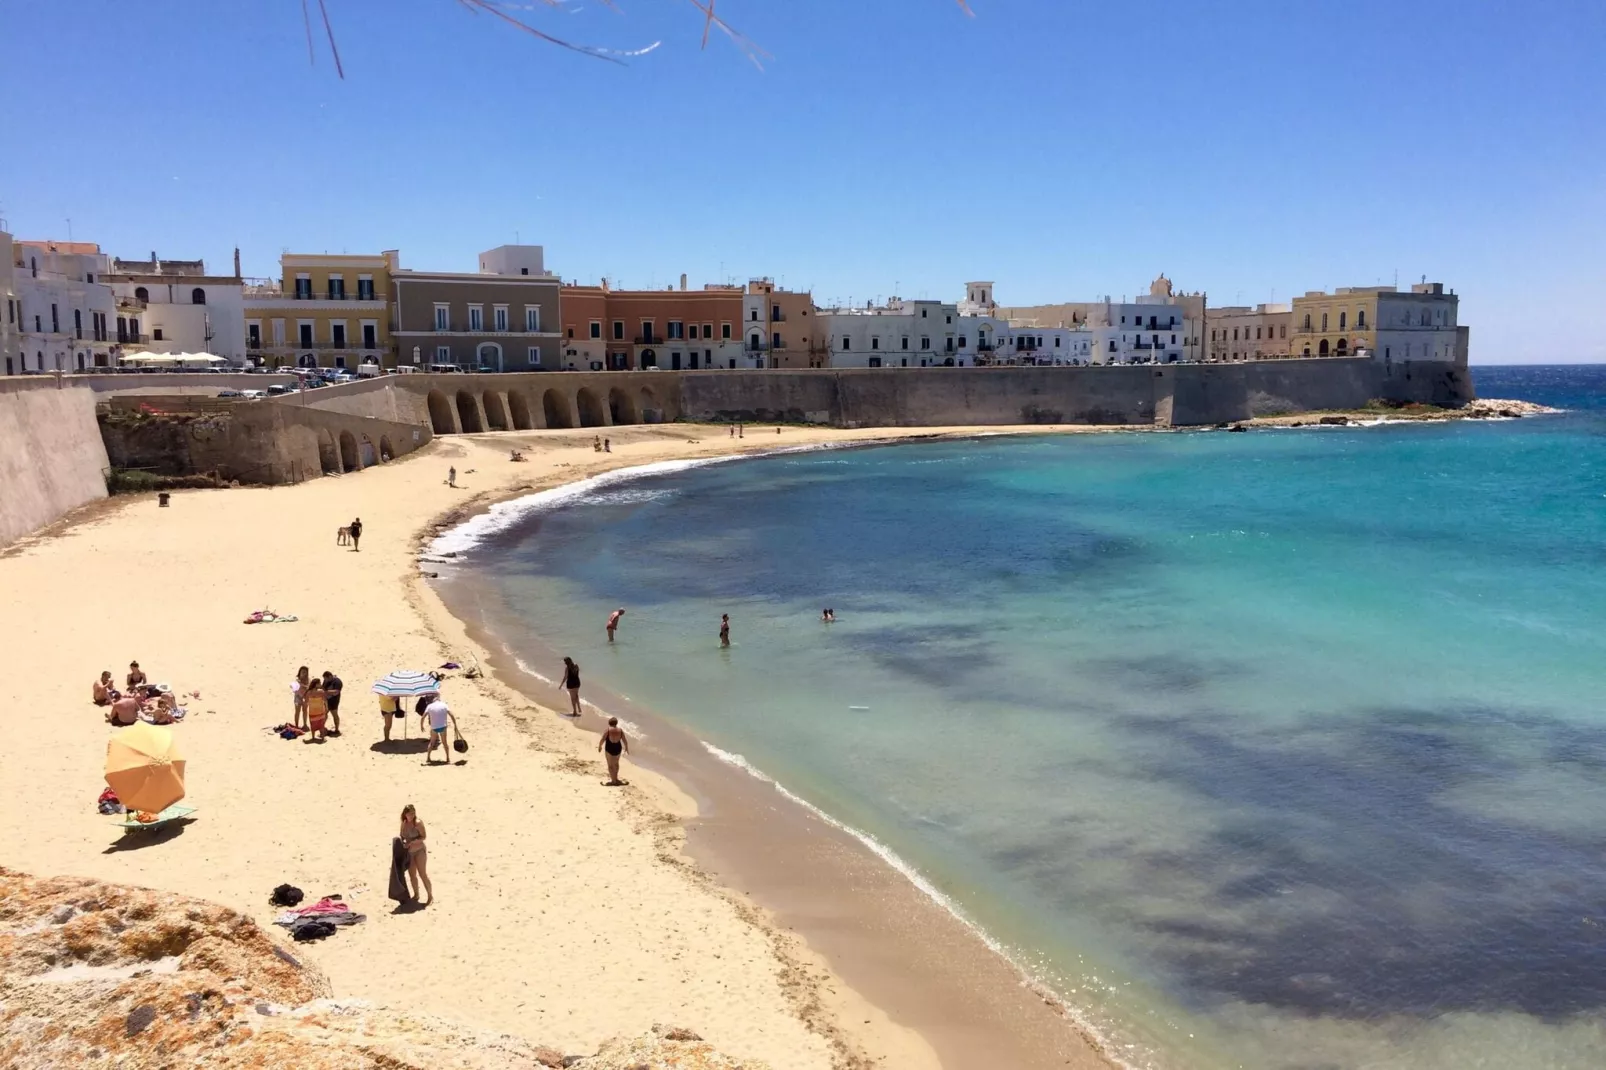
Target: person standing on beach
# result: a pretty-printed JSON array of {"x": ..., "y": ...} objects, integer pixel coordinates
[
  {"x": 607, "y": 445},
  {"x": 298, "y": 696},
  {"x": 613, "y": 743},
  {"x": 571, "y": 683},
  {"x": 613, "y": 621},
  {"x": 439, "y": 716},
  {"x": 451, "y": 476},
  {"x": 724, "y": 629},
  {"x": 412, "y": 836},
  {"x": 356, "y": 537},
  {"x": 331, "y": 694},
  {"x": 733, "y": 432}
]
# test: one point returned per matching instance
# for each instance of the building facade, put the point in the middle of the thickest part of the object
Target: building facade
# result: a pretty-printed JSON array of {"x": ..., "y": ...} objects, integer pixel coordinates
[
  {"x": 778, "y": 327},
  {"x": 323, "y": 312},
  {"x": 505, "y": 317},
  {"x": 899, "y": 334},
  {"x": 1241, "y": 332},
  {"x": 176, "y": 307},
  {"x": 638, "y": 329},
  {"x": 1183, "y": 312},
  {"x": 65, "y": 311},
  {"x": 1381, "y": 320},
  {"x": 11, "y": 321}
]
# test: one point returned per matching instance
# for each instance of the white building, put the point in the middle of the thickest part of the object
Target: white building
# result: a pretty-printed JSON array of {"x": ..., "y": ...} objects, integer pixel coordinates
[
  {"x": 978, "y": 337},
  {"x": 174, "y": 306},
  {"x": 899, "y": 334},
  {"x": 1044, "y": 345},
  {"x": 66, "y": 312},
  {"x": 1150, "y": 329},
  {"x": 978, "y": 300}
]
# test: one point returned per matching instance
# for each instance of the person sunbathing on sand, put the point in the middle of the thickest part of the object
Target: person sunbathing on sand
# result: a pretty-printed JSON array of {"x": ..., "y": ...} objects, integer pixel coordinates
[
  {"x": 103, "y": 692},
  {"x": 124, "y": 712}
]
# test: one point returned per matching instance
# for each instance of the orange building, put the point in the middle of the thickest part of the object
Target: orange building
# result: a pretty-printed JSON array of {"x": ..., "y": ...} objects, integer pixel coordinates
[
  {"x": 674, "y": 329},
  {"x": 779, "y": 327}
]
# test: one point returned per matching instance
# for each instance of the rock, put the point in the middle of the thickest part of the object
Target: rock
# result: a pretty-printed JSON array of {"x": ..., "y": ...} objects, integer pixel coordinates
[
  {"x": 1238, "y": 427},
  {"x": 1335, "y": 420},
  {"x": 100, "y": 975}
]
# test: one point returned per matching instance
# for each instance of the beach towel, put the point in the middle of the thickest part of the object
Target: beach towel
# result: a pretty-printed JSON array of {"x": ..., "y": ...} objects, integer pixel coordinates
[
  {"x": 312, "y": 929},
  {"x": 398, "y": 871},
  {"x": 317, "y": 711},
  {"x": 268, "y": 616}
]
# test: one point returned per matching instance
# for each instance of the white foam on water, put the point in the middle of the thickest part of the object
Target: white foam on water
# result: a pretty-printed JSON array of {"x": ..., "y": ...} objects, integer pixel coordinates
[{"x": 929, "y": 890}]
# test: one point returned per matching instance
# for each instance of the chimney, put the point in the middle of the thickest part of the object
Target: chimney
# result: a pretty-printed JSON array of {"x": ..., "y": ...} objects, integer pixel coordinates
[
  {"x": 683, "y": 281},
  {"x": 236, "y": 261}
]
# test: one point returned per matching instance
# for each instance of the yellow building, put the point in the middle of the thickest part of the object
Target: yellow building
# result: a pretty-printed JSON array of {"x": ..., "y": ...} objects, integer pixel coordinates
[
  {"x": 1393, "y": 324},
  {"x": 323, "y": 312}
]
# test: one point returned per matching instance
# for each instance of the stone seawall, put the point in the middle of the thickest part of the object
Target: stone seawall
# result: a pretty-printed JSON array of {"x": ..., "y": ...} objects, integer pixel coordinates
[{"x": 51, "y": 456}]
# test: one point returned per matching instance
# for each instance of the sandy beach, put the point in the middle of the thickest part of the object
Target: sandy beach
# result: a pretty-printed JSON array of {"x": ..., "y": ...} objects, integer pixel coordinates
[{"x": 566, "y": 911}]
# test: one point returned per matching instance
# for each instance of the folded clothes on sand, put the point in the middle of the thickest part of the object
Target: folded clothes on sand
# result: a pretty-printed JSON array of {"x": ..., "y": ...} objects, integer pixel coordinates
[{"x": 268, "y": 616}]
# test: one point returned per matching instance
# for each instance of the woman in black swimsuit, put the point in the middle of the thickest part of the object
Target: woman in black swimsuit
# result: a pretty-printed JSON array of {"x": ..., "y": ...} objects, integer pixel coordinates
[
  {"x": 571, "y": 682},
  {"x": 613, "y": 743}
]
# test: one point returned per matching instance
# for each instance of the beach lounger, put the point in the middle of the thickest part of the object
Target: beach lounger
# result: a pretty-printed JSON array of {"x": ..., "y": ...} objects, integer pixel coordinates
[{"x": 171, "y": 814}]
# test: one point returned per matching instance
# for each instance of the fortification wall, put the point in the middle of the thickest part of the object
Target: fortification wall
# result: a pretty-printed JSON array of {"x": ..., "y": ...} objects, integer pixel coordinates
[{"x": 51, "y": 456}]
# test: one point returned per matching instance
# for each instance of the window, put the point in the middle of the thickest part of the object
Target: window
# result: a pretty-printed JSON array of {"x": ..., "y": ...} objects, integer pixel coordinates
[
  {"x": 725, "y": 331},
  {"x": 443, "y": 318},
  {"x": 596, "y": 328},
  {"x": 1235, "y": 334},
  {"x": 77, "y": 323},
  {"x": 1360, "y": 320},
  {"x": 948, "y": 343},
  {"x": 1173, "y": 339},
  {"x": 618, "y": 330},
  {"x": 337, "y": 288},
  {"x": 571, "y": 332},
  {"x": 846, "y": 343},
  {"x": 1284, "y": 330},
  {"x": 1343, "y": 321},
  {"x": 948, "y": 319},
  {"x": 1324, "y": 323},
  {"x": 925, "y": 343},
  {"x": 693, "y": 330},
  {"x": 533, "y": 355},
  {"x": 754, "y": 316},
  {"x": 476, "y": 317},
  {"x": 55, "y": 320},
  {"x": 1057, "y": 341},
  {"x": 1307, "y": 325},
  {"x": 708, "y": 330},
  {"x": 443, "y": 354},
  {"x": 646, "y": 332},
  {"x": 677, "y": 329},
  {"x": 197, "y": 296},
  {"x": 304, "y": 287},
  {"x": 370, "y": 336},
  {"x": 304, "y": 332},
  {"x": 922, "y": 313},
  {"x": 337, "y": 335},
  {"x": 365, "y": 287},
  {"x": 499, "y": 317},
  {"x": 156, "y": 335},
  {"x": 905, "y": 341},
  {"x": 962, "y": 342},
  {"x": 532, "y": 321},
  {"x": 875, "y": 341},
  {"x": 775, "y": 340},
  {"x": 1112, "y": 345}
]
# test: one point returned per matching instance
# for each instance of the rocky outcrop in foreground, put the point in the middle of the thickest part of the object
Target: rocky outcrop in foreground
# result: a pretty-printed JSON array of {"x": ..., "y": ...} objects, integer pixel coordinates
[{"x": 98, "y": 975}]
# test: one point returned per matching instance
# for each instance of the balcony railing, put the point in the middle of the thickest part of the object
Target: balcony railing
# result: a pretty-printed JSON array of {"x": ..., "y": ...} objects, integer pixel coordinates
[
  {"x": 126, "y": 339},
  {"x": 649, "y": 340},
  {"x": 344, "y": 347},
  {"x": 275, "y": 293},
  {"x": 757, "y": 347},
  {"x": 778, "y": 317},
  {"x": 132, "y": 302}
]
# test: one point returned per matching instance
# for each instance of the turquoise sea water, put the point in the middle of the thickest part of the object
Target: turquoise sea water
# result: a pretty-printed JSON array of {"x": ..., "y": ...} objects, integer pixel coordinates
[{"x": 1282, "y": 749}]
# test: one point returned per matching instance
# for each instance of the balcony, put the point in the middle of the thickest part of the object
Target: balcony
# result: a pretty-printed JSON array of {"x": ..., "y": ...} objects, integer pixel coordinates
[
  {"x": 313, "y": 347},
  {"x": 778, "y": 317},
  {"x": 138, "y": 303},
  {"x": 650, "y": 340},
  {"x": 125, "y": 339},
  {"x": 269, "y": 292},
  {"x": 757, "y": 347}
]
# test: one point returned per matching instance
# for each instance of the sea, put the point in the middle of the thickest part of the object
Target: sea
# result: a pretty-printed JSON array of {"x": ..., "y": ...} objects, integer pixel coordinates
[{"x": 1283, "y": 749}]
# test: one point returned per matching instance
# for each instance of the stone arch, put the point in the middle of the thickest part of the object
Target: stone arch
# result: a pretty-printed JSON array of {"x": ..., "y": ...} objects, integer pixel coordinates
[
  {"x": 349, "y": 458},
  {"x": 386, "y": 451},
  {"x": 1321, "y": 350},
  {"x": 495, "y": 414},
  {"x": 440, "y": 414},
  {"x": 1342, "y": 349},
  {"x": 328, "y": 454},
  {"x": 592, "y": 412},
  {"x": 518, "y": 410},
  {"x": 197, "y": 296},
  {"x": 556, "y": 407},
  {"x": 367, "y": 452},
  {"x": 468, "y": 413},
  {"x": 651, "y": 411},
  {"x": 621, "y": 408}
]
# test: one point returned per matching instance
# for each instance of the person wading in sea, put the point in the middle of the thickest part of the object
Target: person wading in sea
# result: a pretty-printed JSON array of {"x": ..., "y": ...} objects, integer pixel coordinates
[
  {"x": 613, "y": 743},
  {"x": 571, "y": 683},
  {"x": 613, "y": 621},
  {"x": 724, "y": 629}
]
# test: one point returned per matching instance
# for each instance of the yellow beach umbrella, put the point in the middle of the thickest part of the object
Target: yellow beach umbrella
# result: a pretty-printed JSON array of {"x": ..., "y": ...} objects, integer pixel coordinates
[{"x": 144, "y": 768}]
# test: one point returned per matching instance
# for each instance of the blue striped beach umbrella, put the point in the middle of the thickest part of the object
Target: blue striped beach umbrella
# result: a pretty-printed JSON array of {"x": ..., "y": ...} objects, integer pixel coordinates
[{"x": 405, "y": 683}]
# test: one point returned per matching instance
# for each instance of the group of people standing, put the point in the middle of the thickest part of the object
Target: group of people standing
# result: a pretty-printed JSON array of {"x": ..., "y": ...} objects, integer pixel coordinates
[{"x": 316, "y": 701}]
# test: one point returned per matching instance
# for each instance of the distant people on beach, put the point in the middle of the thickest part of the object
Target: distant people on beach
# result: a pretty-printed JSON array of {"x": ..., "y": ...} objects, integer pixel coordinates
[
  {"x": 355, "y": 531},
  {"x": 571, "y": 683},
  {"x": 741, "y": 432},
  {"x": 451, "y": 476},
  {"x": 331, "y": 696},
  {"x": 828, "y": 615},
  {"x": 104, "y": 694},
  {"x": 136, "y": 677},
  {"x": 316, "y": 707},
  {"x": 613, "y": 621},
  {"x": 515, "y": 455},
  {"x": 596, "y": 444},
  {"x": 124, "y": 712},
  {"x": 613, "y": 743},
  {"x": 439, "y": 717},
  {"x": 390, "y": 708},
  {"x": 607, "y": 445},
  {"x": 298, "y": 696},
  {"x": 413, "y": 835},
  {"x": 724, "y": 629},
  {"x": 733, "y": 432}
]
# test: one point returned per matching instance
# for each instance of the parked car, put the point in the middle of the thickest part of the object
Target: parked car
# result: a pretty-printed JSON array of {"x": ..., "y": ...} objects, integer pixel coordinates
[
  {"x": 253, "y": 395},
  {"x": 229, "y": 394},
  {"x": 277, "y": 390}
]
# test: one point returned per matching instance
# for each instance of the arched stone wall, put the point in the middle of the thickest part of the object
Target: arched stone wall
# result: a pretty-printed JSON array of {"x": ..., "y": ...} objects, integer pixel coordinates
[
  {"x": 495, "y": 414},
  {"x": 518, "y": 410},
  {"x": 621, "y": 407},
  {"x": 350, "y": 460},
  {"x": 592, "y": 412},
  {"x": 328, "y": 453},
  {"x": 441, "y": 418},
  {"x": 468, "y": 413},
  {"x": 559, "y": 412}
]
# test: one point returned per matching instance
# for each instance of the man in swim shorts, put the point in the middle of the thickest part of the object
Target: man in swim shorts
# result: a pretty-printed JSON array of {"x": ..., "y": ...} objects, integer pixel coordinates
[
  {"x": 438, "y": 716},
  {"x": 613, "y": 621}
]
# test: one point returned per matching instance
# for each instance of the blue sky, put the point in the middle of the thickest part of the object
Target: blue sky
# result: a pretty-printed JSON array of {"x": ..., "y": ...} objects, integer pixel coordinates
[{"x": 1063, "y": 148}]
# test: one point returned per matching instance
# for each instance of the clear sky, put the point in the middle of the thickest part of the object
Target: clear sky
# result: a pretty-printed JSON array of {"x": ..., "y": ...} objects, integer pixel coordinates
[{"x": 1064, "y": 149}]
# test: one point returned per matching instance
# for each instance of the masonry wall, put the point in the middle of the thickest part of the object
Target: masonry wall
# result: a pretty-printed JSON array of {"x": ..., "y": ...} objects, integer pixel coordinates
[{"x": 51, "y": 456}]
